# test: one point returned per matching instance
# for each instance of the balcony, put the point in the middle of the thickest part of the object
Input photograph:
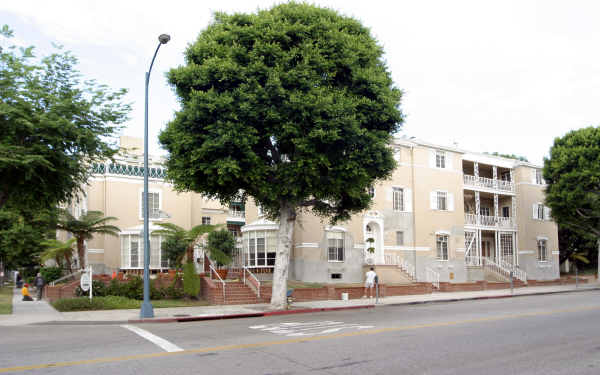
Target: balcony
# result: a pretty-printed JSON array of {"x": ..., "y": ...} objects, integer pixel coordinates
[
  {"x": 236, "y": 217},
  {"x": 490, "y": 221},
  {"x": 488, "y": 183}
]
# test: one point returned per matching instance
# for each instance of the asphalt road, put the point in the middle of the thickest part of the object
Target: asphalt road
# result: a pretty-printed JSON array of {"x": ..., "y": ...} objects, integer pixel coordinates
[{"x": 551, "y": 334}]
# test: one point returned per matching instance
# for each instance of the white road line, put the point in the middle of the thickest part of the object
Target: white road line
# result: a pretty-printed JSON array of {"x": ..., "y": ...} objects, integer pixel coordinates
[{"x": 160, "y": 342}]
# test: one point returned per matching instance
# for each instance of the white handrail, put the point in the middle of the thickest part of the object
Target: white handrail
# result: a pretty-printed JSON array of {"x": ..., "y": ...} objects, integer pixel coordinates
[
  {"x": 432, "y": 277},
  {"x": 67, "y": 276},
  {"x": 408, "y": 268},
  {"x": 396, "y": 260},
  {"x": 246, "y": 269},
  {"x": 490, "y": 221},
  {"x": 497, "y": 268},
  {"x": 212, "y": 269},
  {"x": 517, "y": 272},
  {"x": 489, "y": 183}
]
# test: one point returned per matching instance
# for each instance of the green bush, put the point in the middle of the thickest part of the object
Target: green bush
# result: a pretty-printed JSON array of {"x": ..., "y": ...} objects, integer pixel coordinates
[
  {"x": 51, "y": 273},
  {"x": 134, "y": 288},
  {"x": 115, "y": 288},
  {"x": 221, "y": 245},
  {"x": 99, "y": 289},
  {"x": 96, "y": 303},
  {"x": 191, "y": 280}
]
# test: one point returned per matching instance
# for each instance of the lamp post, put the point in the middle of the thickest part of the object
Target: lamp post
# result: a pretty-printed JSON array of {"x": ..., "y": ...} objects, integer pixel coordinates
[{"x": 147, "y": 311}]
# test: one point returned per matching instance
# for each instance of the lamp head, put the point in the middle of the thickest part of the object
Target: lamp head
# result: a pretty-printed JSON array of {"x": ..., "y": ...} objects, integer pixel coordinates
[{"x": 163, "y": 38}]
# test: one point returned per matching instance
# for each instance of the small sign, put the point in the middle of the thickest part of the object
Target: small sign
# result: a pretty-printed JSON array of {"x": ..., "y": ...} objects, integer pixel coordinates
[{"x": 85, "y": 282}]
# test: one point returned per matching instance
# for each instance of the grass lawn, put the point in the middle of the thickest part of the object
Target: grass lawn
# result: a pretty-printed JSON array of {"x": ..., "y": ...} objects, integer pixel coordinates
[
  {"x": 6, "y": 297},
  {"x": 117, "y": 303}
]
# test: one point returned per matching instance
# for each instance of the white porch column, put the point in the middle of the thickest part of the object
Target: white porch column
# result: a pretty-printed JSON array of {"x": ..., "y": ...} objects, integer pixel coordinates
[
  {"x": 496, "y": 208},
  {"x": 495, "y": 176},
  {"x": 513, "y": 203},
  {"x": 479, "y": 245},
  {"x": 477, "y": 207},
  {"x": 497, "y": 249}
]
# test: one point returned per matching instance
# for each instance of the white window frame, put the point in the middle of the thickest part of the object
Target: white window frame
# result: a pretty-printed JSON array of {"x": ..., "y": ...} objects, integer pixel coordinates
[
  {"x": 141, "y": 204},
  {"x": 337, "y": 248},
  {"x": 539, "y": 177},
  {"x": 398, "y": 203},
  {"x": 440, "y": 159},
  {"x": 399, "y": 238},
  {"x": 158, "y": 255},
  {"x": 206, "y": 222},
  {"x": 371, "y": 191},
  {"x": 441, "y": 241},
  {"x": 442, "y": 196},
  {"x": 542, "y": 250},
  {"x": 251, "y": 244}
]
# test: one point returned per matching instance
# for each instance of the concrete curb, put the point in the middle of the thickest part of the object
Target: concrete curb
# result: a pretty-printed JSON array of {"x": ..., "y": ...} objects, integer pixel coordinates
[
  {"x": 488, "y": 297},
  {"x": 299, "y": 311}
]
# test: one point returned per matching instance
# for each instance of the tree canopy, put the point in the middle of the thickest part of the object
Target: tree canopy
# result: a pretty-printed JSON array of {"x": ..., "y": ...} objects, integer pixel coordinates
[
  {"x": 52, "y": 126},
  {"x": 293, "y": 106},
  {"x": 572, "y": 173}
]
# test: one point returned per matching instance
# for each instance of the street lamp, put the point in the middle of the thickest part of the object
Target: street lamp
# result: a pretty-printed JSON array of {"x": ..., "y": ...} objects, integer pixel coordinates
[{"x": 147, "y": 311}]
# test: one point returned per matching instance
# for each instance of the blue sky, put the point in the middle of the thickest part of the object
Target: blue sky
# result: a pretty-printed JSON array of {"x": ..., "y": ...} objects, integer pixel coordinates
[{"x": 504, "y": 76}]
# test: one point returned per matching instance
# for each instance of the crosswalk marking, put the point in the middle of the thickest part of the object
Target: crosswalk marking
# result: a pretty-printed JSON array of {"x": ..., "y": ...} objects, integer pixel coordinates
[
  {"x": 158, "y": 341},
  {"x": 295, "y": 329}
]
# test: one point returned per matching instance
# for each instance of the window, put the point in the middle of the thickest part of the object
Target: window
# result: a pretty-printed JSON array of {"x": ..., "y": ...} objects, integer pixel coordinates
[
  {"x": 505, "y": 176},
  {"x": 261, "y": 248},
  {"x": 538, "y": 177},
  {"x": 371, "y": 191},
  {"x": 153, "y": 205},
  {"x": 542, "y": 252},
  {"x": 506, "y": 247},
  {"x": 442, "y": 246},
  {"x": 440, "y": 159},
  {"x": 505, "y": 211},
  {"x": 398, "y": 199},
  {"x": 441, "y": 200},
  {"x": 400, "y": 238},
  {"x": 336, "y": 276},
  {"x": 540, "y": 213},
  {"x": 484, "y": 211},
  {"x": 134, "y": 252},
  {"x": 205, "y": 220},
  {"x": 335, "y": 246}
]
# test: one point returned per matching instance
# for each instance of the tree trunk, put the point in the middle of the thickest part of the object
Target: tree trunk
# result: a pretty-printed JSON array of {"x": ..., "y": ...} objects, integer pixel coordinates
[
  {"x": 287, "y": 219},
  {"x": 68, "y": 260},
  {"x": 81, "y": 252}
]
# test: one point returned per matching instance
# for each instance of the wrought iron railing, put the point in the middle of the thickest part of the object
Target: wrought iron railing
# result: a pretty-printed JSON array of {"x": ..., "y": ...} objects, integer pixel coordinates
[
  {"x": 488, "y": 183},
  {"x": 127, "y": 170}
]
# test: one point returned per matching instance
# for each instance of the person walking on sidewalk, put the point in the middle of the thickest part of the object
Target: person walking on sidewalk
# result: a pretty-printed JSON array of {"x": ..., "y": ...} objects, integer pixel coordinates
[
  {"x": 369, "y": 282},
  {"x": 39, "y": 284}
]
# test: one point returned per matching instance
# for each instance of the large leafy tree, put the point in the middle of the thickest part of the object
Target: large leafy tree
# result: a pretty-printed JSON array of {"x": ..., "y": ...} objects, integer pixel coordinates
[
  {"x": 52, "y": 125},
  {"x": 293, "y": 106},
  {"x": 22, "y": 232},
  {"x": 572, "y": 173},
  {"x": 85, "y": 227}
]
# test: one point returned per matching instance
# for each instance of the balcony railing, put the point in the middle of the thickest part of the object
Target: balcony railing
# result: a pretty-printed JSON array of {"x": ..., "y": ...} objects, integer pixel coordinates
[
  {"x": 234, "y": 213},
  {"x": 490, "y": 221},
  {"x": 488, "y": 183}
]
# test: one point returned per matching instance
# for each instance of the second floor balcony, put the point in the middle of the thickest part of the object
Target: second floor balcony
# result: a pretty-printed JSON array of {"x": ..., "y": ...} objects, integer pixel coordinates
[
  {"x": 488, "y": 183},
  {"x": 490, "y": 221}
]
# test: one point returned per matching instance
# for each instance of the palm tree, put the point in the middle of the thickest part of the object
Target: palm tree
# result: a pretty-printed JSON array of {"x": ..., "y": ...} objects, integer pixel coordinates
[
  {"x": 59, "y": 251},
  {"x": 188, "y": 237},
  {"x": 85, "y": 227}
]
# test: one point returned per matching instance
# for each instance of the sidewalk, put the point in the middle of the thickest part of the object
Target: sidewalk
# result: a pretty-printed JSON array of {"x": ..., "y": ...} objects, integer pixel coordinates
[{"x": 42, "y": 312}]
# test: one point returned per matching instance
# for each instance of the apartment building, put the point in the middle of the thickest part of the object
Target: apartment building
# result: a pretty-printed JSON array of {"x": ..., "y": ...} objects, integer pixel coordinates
[
  {"x": 116, "y": 189},
  {"x": 444, "y": 215}
]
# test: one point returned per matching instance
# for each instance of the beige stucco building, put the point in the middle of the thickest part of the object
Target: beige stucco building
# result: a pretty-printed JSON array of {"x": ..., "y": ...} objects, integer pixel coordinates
[{"x": 445, "y": 215}]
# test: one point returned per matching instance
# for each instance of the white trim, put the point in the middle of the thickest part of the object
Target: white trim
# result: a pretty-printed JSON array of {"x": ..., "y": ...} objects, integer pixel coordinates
[
  {"x": 214, "y": 211},
  {"x": 334, "y": 228},
  {"x": 461, "y": 250},
  {"x": 543, "y": 264},
  {"x": 359, "y": 246},
  {"x": 542, "y": 238},
  {"x": 95, "y": 251},
  {"x": 555, "y": 252},
  {"x": 526, "y": 252},
  {"x": 407, "y": 248},
  {"x": 306, "y": 244},
  {"x": 443, "y": 232}
]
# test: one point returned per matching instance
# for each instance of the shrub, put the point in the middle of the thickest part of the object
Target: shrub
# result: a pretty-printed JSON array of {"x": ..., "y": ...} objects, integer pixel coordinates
[
  {"x": 51, "y": 273},
  {"x": 220, "y": 245},
  {"x": 191, "y": 280},
  {"x": 96, "y": 303},
  {"x": 115, "y": 288},
  {"x": 99, "y": 289},
  {"x": 134, "y": 288}
]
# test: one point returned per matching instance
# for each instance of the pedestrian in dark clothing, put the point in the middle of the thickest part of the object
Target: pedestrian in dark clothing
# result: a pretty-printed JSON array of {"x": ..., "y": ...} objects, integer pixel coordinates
[
  {"x": 19, "y": 280},
  {"x": 39, "y": 284}
]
